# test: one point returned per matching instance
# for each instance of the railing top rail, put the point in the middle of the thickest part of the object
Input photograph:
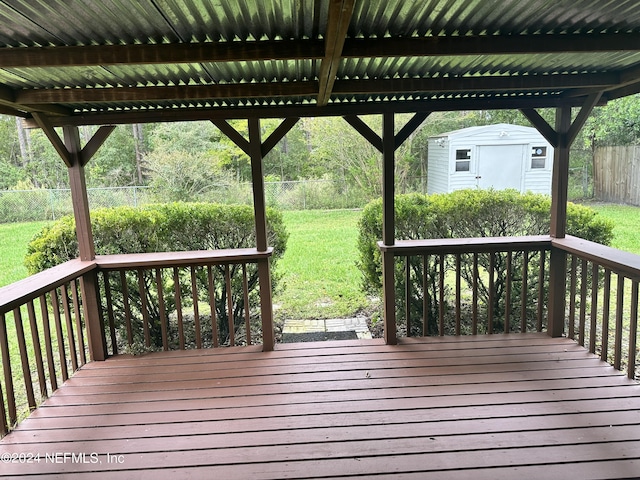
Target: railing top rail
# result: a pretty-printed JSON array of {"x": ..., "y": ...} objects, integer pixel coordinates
[
  {"x": 179, "y": 259},
  {"x": 18, "y": 293},
  {"x": 618, "y": 261},
  {"x": 467, "y": 245}
]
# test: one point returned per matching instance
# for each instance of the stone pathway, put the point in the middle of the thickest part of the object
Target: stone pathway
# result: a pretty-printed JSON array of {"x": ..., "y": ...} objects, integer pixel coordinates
[{"x": 357, "y": 325}]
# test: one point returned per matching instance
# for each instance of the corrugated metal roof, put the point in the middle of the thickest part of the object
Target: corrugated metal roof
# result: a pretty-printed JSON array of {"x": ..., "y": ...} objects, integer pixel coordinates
[{"x": 307, "y": 53}]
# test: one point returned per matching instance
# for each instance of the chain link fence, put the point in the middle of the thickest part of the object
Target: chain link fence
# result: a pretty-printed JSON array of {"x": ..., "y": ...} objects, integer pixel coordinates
[{"x": 39, "y": 205}]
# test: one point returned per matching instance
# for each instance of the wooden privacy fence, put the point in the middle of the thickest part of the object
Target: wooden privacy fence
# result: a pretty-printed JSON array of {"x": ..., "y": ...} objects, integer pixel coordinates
[{"x": 616, "y": 174}]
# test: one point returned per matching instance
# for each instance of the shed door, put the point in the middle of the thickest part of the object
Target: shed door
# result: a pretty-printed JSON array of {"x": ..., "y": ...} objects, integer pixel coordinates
[{"x": 500, "y": 166}]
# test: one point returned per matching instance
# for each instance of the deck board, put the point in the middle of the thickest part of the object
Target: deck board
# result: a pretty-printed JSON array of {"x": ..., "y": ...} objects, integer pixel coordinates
[{"x": 500, "y": 406}]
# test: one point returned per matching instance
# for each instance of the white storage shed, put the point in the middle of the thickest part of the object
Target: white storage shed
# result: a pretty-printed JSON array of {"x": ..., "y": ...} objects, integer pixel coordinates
[{"x": 493, "y": 156}]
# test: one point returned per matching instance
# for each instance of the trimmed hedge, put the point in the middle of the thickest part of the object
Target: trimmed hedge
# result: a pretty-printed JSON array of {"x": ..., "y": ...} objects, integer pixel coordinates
[
  {"x": 465, "y": 214},
  {"x": 164, "y": 228}
]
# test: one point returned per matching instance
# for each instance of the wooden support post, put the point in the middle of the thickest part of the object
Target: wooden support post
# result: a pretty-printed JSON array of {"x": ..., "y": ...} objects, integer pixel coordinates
[
  {"x": 89, "y": 282},
  {"x": 260, "y": 213},
  {"x": 388, "y": 228},
  {"x": 79, "y": 197},
  {"x": 559, "y": 192},
  {"x": 90, "y": 291},
  {"x": 388, "y": 144}
]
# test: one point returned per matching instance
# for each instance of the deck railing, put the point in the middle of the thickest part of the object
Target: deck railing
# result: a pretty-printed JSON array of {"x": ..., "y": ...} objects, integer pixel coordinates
[
  {"x": 471, "y": 286},
  {"x": 602, "y": 305},
  {"x": 53, "y": 322},
  {"x": 180, "y": 300},
  {"x": 42, "y": 317},
  {"x": 494, "y": 285}
]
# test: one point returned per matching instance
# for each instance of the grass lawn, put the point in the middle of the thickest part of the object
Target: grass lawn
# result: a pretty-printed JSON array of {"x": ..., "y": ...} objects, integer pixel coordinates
[
  {"x": 320, "y": 278},
  {"x": 626, "y": 219},
  {"x": 14, "y": 238}
]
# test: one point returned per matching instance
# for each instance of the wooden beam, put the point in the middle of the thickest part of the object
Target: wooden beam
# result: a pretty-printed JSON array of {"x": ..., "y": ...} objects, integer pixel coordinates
[
  {"x": 43, "y": 96},
  {"x": 582, "y": 117},
  {"x": 339, "y": 18},
  {"x": 631, "y": 89},
  {"x": 8, "y": 101},
  {"x": 410, "y": 127},
  {"x": 490, "y": 44},
  {"x": 48, "y": 129},
  {"x": 95, "y": 143},
  {"x": 179, "y": 92},
  {"x": 541, "y": 125},
  {"x": 282, "y": 129},
  {"x": 476, "y": 84},
  {"x": 241, "y": 142},
  {"x": 93, "y": 55},
  {"x": 363, "y": 129},
  {"x": 334, "y": 110}
]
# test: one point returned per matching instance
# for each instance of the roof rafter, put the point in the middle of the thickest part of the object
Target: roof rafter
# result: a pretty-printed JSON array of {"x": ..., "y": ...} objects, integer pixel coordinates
[
  {"x": 75, "y": 56},
  {"x": 288, "y": 89},
  {"x": 340, "y": 12}
]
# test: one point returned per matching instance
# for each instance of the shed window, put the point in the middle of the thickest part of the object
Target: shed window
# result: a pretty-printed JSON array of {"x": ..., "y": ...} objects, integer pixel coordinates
[
  {"x": 538, "y": 157},
  {"x": 463, "y": 160}
]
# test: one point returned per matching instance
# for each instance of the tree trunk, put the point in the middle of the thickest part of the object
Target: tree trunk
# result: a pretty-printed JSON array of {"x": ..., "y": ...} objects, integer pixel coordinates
[
  {"x": 23, "y": 139},
  {"x": 138, "y": 141}
]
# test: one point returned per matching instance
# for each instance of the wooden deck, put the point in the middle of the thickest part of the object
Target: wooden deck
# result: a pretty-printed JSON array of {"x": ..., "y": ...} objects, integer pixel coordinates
[{"x": 501, "y": 406}]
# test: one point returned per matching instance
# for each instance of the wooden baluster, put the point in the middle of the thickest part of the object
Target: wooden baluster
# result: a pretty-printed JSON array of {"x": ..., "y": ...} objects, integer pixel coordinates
[
  {"x": 605, "y": 314},
  {"x": 441, "y": 297},
  {"x": 617, "y": 361},
  {"x": 48, "y": 345},
  {"x": 232, "y": 333},
  {"x": 24, "y": 358},
  {"x": 127, "y": 306},
  {"x": 73, "y": 355},
  {"x": 524, "y": 294},
  {"x": 58, "y": 324},
  {"x": 633, "y": 331},
  {"x": 4, "y": 425},
  {"x": 178, "y": 300},
  {"x": 8, "y": 377},
  {"x": 572, "y": 297},
  {"x": 541, "y": 290},
  {"x": 407, "y": 293},
  {"x": 142, "y": 290},
  {"x": 458, "y": 294},
  {"x": 245, "y": 291},
  {"x": 492, "y": 292},
  {"x": 162, "y": 310},
  {"x": 212, "y": 305},
  {"x": 583, "y": 301},
  {"x": 594, "y": 307},
  {"x": 37, "y": 349},
  {"x": 196, "y": 308},
  {"x": 507, "y": 300},
  {"x": 474, "y": 301},
  {"x": 110, "y": 315},
  {"x": 78, "y": 317},
  {"x": 425, "y": 295}
]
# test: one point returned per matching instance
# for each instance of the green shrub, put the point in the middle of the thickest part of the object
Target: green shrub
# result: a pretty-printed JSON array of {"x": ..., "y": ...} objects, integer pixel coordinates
[
  {"x": 466, "y": 214},
  {"x": 163, "y": 228}
]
